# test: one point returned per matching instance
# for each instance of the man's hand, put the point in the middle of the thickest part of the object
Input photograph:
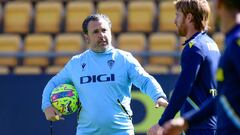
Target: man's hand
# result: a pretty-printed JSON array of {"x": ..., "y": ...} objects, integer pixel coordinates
[
  {"x": 52, "y": 114},
  {"x": 175, "y": 126},
  {"x": 161, "y": 102},
  {"x": 155, "y": 130}
]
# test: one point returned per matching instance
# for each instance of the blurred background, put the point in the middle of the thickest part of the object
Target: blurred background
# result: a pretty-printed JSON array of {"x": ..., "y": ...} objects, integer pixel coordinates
[{"x": 38, "y": 37}]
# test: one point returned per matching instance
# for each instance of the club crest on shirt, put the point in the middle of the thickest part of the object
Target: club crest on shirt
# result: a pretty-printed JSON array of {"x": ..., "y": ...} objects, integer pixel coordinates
[
  {"x": 110, "y": 63},
  {"x": 83, "y": 66}
]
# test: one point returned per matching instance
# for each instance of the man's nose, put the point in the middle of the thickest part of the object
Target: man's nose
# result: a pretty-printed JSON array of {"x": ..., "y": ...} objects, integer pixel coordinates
[{"x": 101, "y": 35}]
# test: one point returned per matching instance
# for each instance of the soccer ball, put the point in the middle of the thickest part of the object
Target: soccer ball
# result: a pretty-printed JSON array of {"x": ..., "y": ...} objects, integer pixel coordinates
[{"x": 65, "y": 99}]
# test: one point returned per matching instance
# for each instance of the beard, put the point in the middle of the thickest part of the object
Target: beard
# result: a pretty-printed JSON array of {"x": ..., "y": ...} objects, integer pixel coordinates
[
  {"x": 182, "y": 28},
  {"x": 182, "y": 31},
  {"x": 100, "y": 46}
]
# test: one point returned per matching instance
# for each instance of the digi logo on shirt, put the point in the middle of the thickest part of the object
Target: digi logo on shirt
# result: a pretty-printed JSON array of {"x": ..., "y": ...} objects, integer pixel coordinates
[{"x": 97, "y": 78}]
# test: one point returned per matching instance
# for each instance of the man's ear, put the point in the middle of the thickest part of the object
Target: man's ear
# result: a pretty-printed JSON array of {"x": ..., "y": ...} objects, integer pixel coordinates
[
  {"x": 189, "y": 17},
  {"x": 86, "y": 38}
]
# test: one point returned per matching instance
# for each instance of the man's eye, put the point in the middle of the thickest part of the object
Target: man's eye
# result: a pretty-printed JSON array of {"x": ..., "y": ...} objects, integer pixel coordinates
[
  {"x": 104, "y": 30},
  {"x": 95, "y": 31}
]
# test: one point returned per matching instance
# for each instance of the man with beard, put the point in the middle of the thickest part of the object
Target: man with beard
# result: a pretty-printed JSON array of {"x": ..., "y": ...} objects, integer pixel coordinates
[
  {"x": 103, "y": 76},
  {"x": 226, "y": 105},
  {"x": 199, "y": 61}
]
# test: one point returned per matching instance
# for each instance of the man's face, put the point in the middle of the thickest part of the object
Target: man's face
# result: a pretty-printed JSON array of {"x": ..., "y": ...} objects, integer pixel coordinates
[
  {"x": 99, "y": 35},
  {"x": 180, "y": 23}
]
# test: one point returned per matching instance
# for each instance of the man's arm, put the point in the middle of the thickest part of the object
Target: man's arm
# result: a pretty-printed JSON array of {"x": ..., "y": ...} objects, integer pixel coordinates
[
  {"x": 61, "y": 78},
  {"x": 235, "y": 54},
  {"x": 176, "y": 126},
  {"x": 207, "y": 109},
  {"x": 146, "y": 82},
  {"x": 190, "y": 63}
]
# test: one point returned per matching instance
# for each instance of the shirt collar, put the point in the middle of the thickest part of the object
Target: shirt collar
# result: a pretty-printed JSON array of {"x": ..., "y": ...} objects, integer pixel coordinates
[
  {"x": 107, "y": 51},
  {"x": 193, "y": 36}
]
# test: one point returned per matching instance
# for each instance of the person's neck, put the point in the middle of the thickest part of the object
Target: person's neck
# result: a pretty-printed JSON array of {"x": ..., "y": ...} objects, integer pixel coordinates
[
  {"x": 97, "y": 50},
  {"x": 191, "y": 32},
  {"x": 101, "y": 50}
]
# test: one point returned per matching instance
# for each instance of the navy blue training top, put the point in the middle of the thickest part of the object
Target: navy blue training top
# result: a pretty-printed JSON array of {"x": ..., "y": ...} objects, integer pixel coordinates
[
  {"x": 196, "y": 83},
  {"x": 228, "y": 99}
]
